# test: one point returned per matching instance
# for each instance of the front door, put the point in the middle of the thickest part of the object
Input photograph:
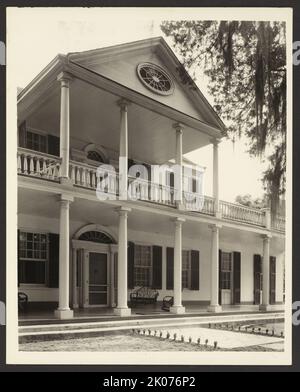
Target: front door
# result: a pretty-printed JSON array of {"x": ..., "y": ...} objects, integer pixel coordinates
[
  {"x": 226, "y": 278},
  {"x": 98, "y": 278}
]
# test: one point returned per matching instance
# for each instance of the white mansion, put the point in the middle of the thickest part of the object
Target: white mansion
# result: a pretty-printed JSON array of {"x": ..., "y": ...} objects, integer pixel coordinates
[{"x": 136, "y": 102}]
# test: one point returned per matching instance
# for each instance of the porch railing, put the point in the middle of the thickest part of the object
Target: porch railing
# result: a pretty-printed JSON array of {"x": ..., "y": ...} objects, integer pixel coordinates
[
  {"x": 38, "y": 164},
  {"x": 241, "y": 213},
  {"x": 41, "y": 165},
  {"x": 278, "y": 223}
]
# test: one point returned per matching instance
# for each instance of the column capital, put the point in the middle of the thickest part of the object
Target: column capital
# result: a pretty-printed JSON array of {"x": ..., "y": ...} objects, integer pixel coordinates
[
  {"x": 123, "y": 210},
  {"x": 215, "y": 227},
  {"x": 123, "y": 104},
  {"x": 178, "y": 127},
  {"x": 64, "y": 78},
  {"x": 66, "y": 198},
  {"x": 215, "y": 142},
  {"x": 266, "y": 237},
  {"x": 179, "y": 220}
]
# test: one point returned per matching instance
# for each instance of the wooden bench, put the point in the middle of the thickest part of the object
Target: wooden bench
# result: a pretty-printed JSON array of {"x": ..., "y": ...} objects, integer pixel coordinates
[{"x": 143, "y": 295}]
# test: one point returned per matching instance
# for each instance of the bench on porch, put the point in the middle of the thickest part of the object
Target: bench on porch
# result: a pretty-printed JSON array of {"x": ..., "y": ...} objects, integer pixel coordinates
[{"x": 143, "y": 295}]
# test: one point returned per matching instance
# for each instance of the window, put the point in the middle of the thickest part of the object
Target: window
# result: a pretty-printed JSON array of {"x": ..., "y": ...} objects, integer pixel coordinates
[
  {"x": 33, "y": 255},
  {"x": 35, "y": 141},
  {"x": 142, "y": 265},
  {"x": 226, "y": 271},
  {"x": 94, "y": 156},
  {"x": 186, "y": 269}
]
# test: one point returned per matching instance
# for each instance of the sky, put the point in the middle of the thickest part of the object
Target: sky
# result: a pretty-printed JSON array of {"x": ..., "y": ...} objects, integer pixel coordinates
[{"x": 37, "y": 35}]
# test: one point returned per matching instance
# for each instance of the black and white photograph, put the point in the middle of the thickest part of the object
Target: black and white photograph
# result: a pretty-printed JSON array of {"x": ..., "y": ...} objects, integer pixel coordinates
[{"x": 149, "y": 186}]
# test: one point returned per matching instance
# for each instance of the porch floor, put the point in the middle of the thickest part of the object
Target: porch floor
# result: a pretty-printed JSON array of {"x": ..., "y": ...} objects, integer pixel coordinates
[{"x": 141, "y": 312}]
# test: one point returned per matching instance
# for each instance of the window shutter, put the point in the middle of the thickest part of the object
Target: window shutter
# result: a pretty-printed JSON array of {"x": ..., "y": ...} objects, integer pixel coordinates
[
  {"x": 53, "y": 279},
  {"x": 257, "y": 273},
  {"x": 157, "y": 267},
  {"x": 195, "y": 261},
  {"x": 272, "y": 280},
  {"x": 170, "y": 268},
  {"x": 53, "y": 145},
  {"x": 220, "y": 277},
  {"x": 18, "y": 256},
  {"x": 130, "y": 265},
  {"x": 236, "y": 278},
  {"x": 22, "y": 134}
]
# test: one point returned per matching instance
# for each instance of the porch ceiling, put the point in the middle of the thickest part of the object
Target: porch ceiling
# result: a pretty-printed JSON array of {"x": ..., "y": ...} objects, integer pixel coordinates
[{"x": 94, "y": 118}]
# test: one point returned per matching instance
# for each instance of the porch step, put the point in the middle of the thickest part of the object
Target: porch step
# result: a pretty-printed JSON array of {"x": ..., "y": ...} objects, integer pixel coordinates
[{"x": 88, "y": 329}]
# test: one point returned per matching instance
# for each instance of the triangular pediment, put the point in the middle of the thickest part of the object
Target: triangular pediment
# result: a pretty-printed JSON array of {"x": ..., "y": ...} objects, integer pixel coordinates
[{"x": 122, "y": 64}]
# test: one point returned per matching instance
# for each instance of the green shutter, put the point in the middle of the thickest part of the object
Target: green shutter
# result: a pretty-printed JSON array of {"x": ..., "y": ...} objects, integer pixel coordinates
[
  {"x": 53, "y": 280},
  {"x": 157, "y": 267},
  {"x": 236, "y": 278},
  {"x": 170, "y": 268},
  {"x": 130, "y": 265},
  {"x": 53, "y": 145},
  {"x": 195, "y": 261}
]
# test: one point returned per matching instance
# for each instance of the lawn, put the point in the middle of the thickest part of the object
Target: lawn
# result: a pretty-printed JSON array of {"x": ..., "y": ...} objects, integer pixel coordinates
[{"x": 123, "y": 343}]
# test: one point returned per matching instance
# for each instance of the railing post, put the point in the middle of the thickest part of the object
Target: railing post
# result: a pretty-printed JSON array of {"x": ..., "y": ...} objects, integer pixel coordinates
[{"x": 267, "y": 212}]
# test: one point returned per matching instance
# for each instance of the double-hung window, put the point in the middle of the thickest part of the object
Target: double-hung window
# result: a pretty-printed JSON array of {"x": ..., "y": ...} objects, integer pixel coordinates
[
  {"x": 142, "y": 265},
  {"x": 226, "y": 271},
  {"x": 33, "y": 256}
]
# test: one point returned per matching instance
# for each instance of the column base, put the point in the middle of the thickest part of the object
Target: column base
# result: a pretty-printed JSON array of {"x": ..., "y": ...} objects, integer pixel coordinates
[
  {"x": 64, "y": 314},
  {"x": 218, "y": 215},
  {"x": 214, "y": 309},
  {"x": 265, "y": 308},
  {"x": 177, "y": 309},
  {"x": 122, "y": 312}
]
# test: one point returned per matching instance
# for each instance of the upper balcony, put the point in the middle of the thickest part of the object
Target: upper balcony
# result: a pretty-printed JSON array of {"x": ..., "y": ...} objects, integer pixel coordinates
[{"x": 47, "y": 167}]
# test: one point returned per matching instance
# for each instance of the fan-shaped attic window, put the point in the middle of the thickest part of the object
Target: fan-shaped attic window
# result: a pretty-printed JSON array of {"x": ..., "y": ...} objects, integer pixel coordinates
[
  {"x": 95, "y": 156},
  {"x": 96, "y": 236}
]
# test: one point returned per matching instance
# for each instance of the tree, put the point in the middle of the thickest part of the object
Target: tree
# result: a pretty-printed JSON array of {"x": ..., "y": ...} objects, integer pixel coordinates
[
  {"x": 248, "y": 201},
  {"x": 245, "y": 63}
]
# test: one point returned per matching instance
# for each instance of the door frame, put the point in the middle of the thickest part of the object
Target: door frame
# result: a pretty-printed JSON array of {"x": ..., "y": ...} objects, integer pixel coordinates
[
  {"x": 87, "y": 291},
  {"x": 231, "y": 280},
  {"x": 83, "y": 288}
]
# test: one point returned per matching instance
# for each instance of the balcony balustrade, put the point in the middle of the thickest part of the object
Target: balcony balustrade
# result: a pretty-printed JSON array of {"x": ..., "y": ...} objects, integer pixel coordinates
[{"x": 45, "y": 166}]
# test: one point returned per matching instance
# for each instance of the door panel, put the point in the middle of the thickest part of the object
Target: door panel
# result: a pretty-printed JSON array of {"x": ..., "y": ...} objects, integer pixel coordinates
[
  {"x": 98, "y": 287},
  {"x": 226, "y": 278}
]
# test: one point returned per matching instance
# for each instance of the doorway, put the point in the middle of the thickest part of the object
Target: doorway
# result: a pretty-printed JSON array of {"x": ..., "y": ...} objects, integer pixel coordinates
[{"x": 98, "y": 279}]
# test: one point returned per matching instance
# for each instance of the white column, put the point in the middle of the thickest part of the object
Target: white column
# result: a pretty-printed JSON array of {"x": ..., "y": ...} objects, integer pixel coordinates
[
  {"x": 74, "y": 278},
  {"x": 265, "y": 306},
  {"x": 122, "y": 307},
  {"x": 63, "y": 311},
  {"x": 177, "y": 307},
  {"x": 123, "y": 158},
  {"x": 214, "y": 274},
  {"x": 179, "y": 160},
  {"x": 216, "y": 176},
  {"x": 64, "y": 79}
]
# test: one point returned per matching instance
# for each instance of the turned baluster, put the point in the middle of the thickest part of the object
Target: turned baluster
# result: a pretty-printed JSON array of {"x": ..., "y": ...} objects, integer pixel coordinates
[
  {"x": 25, "y": 161},
  {"x": 31, "y": 165},
  {"x": 72, "y": 174},
  {"x": 19, "y": 164},
  {"x": 78, "y": 179},
  {"x": 38, "y": 167}
]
